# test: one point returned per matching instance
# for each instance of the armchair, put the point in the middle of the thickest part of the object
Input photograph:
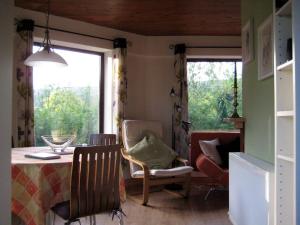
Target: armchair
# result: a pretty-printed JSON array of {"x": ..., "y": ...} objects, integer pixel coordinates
[
  {"x": 206, "y": 171},
  {"x": 133, "y": 131}
]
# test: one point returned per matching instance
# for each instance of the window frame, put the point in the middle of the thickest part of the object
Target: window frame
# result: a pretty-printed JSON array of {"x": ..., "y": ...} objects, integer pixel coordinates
[
  {"x": 101, "y": 77},
  {"x": 214, "y": 60}
]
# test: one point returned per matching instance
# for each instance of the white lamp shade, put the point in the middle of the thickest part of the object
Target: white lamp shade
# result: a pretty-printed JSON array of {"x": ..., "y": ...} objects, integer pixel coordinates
[{"x": 45, "y": 57}]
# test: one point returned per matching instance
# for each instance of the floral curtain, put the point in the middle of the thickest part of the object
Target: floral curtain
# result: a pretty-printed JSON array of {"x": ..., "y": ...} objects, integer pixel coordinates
[
  {"x": 23, "y": 125},
  {"x": 119, "y": 85},
  {"x": 180, "y": 108}
]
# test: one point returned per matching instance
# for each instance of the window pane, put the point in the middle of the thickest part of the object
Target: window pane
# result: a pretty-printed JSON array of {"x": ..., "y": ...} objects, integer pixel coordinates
[
  {"x": 211, "y": 93},
  {"x": 66, "y": 100}
]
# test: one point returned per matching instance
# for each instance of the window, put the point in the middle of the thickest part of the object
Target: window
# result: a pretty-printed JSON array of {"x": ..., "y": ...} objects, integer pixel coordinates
[
  {"x": 210, "y": 89},
  {"x": 68, "y": 100}
]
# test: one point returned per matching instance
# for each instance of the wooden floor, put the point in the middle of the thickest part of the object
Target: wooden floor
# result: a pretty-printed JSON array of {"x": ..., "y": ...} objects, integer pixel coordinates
[{"x": 169, "y": 209}]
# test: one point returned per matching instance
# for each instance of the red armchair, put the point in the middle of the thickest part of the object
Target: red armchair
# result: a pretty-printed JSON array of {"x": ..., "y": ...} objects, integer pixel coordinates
[{"x": 207, "y": 171}]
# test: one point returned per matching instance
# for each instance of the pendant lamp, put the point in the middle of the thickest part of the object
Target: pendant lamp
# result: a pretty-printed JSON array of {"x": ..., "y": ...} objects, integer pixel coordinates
[{"x": 46, "y": 55}]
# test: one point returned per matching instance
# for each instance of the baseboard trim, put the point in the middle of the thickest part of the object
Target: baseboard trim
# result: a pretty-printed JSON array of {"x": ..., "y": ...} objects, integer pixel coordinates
[{"x": 231, "y": 219}]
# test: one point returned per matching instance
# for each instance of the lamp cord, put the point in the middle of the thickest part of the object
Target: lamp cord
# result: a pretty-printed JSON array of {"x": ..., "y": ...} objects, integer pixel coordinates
[
  {"x": 47, "y": 45},
  {"x": 48, "y": 14}
]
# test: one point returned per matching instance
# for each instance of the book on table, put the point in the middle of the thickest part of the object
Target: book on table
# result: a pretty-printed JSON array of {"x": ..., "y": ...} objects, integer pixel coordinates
[{"x": 42, "y": 155}]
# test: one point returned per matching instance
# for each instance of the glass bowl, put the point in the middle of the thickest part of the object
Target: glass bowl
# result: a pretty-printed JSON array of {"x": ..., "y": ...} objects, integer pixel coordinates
[{"x": 58, "y": 143}]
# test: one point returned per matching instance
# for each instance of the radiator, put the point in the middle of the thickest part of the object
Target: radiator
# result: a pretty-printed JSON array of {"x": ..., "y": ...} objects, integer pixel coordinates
[{"x": 251, "y": 190}]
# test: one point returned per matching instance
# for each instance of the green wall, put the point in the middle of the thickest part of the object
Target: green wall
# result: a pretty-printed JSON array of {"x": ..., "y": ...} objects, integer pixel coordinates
[{"x": 258, "y": 96}]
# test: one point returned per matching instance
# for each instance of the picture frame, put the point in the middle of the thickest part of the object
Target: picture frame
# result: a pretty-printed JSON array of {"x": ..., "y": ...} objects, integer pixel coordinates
[
  {"x": 265, "y": 50},
  {"x": 247, "y": 42}
]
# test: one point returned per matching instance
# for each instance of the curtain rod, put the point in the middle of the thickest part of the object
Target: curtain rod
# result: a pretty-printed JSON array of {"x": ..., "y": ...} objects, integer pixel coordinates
[
  {"x": 173, "y": 46},
  {"x": 71, "y": 32},
  {"x": 107, "y": 39}
]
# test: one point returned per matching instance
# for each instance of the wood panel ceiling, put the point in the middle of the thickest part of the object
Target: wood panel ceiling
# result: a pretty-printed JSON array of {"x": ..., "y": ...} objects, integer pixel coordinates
[{"x": 150, "y": 17}]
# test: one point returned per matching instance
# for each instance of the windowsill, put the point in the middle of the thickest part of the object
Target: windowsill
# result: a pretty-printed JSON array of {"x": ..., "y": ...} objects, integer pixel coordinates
[{"x": 215, "y": 131}]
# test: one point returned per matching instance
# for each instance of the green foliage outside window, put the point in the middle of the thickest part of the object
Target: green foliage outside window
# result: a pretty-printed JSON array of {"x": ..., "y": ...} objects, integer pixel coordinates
[
  {"x": 211, "y": 94},
  {"x": 66, "y": 111}
]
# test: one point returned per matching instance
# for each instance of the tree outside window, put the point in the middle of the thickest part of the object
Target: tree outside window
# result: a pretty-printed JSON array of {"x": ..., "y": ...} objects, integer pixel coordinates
[{"x": 210, "y": 89}]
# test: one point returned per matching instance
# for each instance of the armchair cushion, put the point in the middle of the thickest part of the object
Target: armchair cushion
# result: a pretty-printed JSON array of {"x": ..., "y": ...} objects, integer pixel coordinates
[
  {"x": 165, "y": 172},
  {"x": 209, "y": 148},
  {"x": 152, "y": 151}
]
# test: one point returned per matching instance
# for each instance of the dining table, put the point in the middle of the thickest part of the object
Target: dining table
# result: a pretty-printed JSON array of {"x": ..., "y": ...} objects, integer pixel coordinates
[{"x": 38, "y": 184}]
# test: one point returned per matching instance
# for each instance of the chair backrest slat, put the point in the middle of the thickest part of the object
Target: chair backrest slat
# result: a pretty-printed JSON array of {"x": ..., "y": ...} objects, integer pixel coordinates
[
  {"x": 111, "y": 179},
  {"x": 91, "y": 181},
  {"x": 74, "y": 188},
  {"x": 99, "y": 181},
  {"x": 95, "y": 182},
  {"x": 102, "y": 139},
  {"x": 105, "y": 180},
  {"x": 83, "y": 183}
]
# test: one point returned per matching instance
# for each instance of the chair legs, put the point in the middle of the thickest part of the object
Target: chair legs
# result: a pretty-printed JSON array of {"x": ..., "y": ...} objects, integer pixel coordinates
[
  {"x": 94, "y": 217},
  {"x": 92, "y": 220},
  {"x": 187, "y": 185},
  {"x": 214, "y": 188},
  {"x": 208, "y": 193},
  {"x": 66, "y": 223},
  {"x": 120, "y": 214},
  {"x": 145, "y": 190},
  {"x": 72, "y": 221}
]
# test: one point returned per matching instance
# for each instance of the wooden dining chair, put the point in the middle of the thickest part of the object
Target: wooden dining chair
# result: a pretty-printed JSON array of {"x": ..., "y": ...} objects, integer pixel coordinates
[
  {"x": 102, "y": 139},
  {"x": 94, "y": 184}
]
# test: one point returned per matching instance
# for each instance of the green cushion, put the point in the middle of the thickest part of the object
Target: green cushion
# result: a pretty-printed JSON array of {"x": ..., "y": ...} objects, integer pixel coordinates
[{"x": 153, "y": 152}]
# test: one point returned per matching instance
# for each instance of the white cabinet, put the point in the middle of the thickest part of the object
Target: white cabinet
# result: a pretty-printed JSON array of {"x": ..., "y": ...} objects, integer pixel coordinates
[
  {"x": 250, "y": 201},
  {"x": 286, "y": 131}
]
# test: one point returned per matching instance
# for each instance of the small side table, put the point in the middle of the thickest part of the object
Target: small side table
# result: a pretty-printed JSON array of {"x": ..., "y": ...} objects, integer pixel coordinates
[{"x": 239, "y": 123}]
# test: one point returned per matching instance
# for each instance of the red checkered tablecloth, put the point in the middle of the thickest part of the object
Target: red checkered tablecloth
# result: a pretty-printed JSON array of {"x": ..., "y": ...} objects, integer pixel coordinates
[{"x": 37, "y": 185}]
